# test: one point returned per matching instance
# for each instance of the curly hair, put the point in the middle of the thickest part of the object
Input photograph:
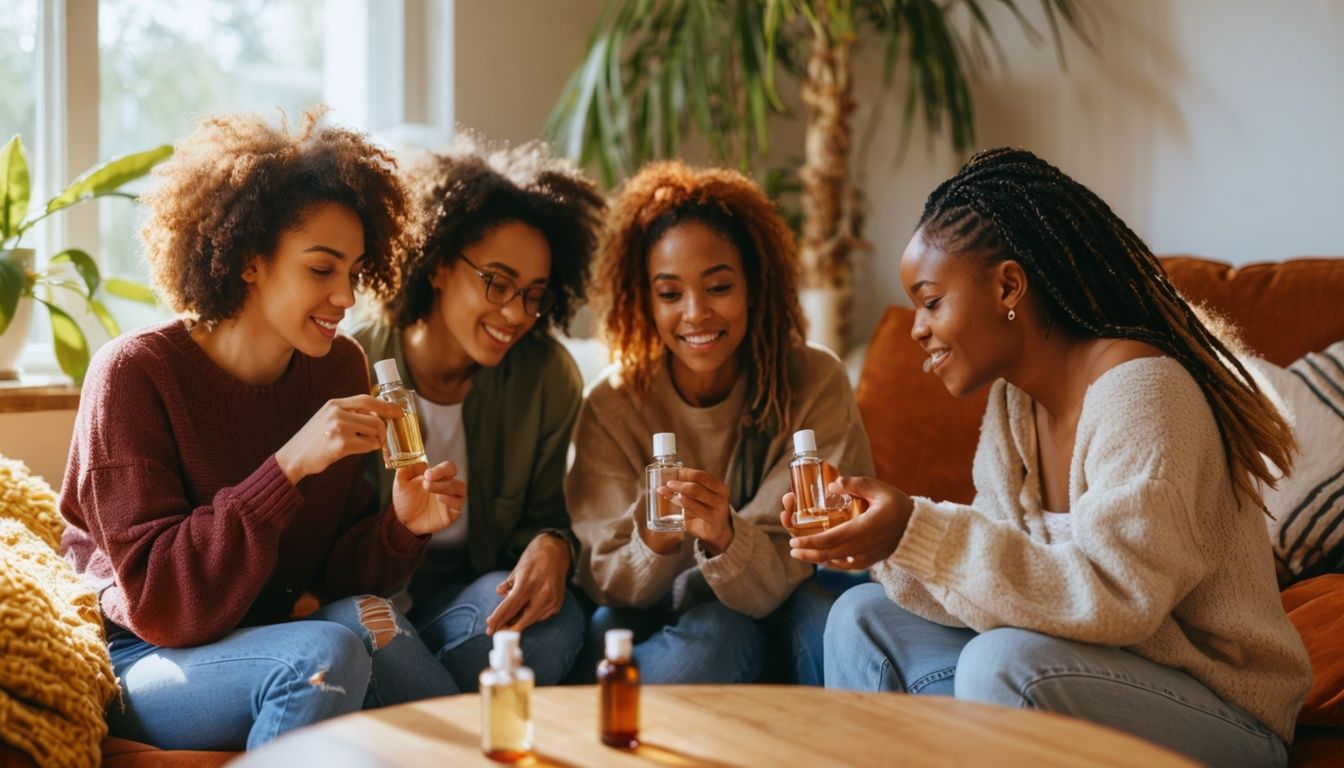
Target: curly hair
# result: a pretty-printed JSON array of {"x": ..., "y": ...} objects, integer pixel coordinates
[
  {"x": 461, "y": 195},
  {"x": 235, "y": 185},
  {"x": 658, "y": 198}
]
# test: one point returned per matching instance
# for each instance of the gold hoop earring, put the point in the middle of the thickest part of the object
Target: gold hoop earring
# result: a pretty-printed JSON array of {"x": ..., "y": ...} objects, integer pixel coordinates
[{"x": 1012, "y": 314}]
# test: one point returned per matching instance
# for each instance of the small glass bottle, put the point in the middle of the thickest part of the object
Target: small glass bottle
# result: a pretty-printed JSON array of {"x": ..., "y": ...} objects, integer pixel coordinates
[
  {"x": 815, "y": 509},
  {"x": 403, "y": 445},
  {"x": 664, "y": 516},
  {"x": 506, "y": 702},
  {"x": 618, "y": 680}
]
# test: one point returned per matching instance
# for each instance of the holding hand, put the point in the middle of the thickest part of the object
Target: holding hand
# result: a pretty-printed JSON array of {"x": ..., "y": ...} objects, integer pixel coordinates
[
  {"x": 867, "y": 538},
  {"x": 704, "y": 499},
  {"x": 535, "y": 589},
  {"x": 428, "y": 499},
  {"x": 340, "y": 428}
]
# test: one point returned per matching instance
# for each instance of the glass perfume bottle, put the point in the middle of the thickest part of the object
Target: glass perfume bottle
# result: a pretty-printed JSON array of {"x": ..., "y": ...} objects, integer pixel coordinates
[
  {"x": 403, "y": 445},
  {"x": 815, "y": 509},
  {"x": 506, "y": 702},
  {"x": 663, "y": 514},
  {"x": 618, "y": 681}
]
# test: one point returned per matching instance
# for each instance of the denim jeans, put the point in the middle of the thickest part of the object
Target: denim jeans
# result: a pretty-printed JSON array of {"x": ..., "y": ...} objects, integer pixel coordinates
[
  {"x": 451, "y": 621},
  {"x": 259, "y": 682},
  {"x": 705, "y": 644},
  {"x": 872, "y": 644},
  {"x": 795, "y": 652}
]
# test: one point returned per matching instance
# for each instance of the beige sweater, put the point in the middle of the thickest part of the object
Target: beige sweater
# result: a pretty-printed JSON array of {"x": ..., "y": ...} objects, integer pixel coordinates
[
  {"x": 1164, "y": 559},
  {"x": 604, "y": 490}
]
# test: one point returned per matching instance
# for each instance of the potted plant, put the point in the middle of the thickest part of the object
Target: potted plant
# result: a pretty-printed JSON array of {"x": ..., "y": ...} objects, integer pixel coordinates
[
  {"x": 658, "y": 69},
  {"x": 72, "y": 270}
]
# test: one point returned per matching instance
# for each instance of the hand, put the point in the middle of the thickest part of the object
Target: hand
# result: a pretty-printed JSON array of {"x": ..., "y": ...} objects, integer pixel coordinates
[
  {"x": 867, "y": 538},
  {"x": 704, "y": 499},
  {"x": 535, "y": 589},
  {"x": 340, "y": 428},
  {"x": 428, "y": 499}
]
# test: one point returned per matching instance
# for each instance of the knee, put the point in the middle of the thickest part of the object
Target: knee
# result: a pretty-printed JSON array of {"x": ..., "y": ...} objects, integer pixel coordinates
[
  {"x": 736, "y": 634},
  {"x": 380, "y": 621},
  {"x": 330, "y": 657},
  {"x": 996, "y": 666},
  {"x": 849, "y": 615}
]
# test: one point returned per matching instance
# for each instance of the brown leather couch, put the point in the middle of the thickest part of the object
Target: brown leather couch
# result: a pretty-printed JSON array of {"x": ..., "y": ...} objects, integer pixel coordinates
[{"x": 924, "y": 439}]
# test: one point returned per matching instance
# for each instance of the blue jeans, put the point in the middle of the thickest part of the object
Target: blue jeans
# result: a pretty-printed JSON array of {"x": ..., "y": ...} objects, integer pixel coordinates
[
  {"x": 257, "y": 683},
  {"x": 872, "y": 644},
  {"x": 796, "y": 654},
  {"x": 451, "y": 621}
]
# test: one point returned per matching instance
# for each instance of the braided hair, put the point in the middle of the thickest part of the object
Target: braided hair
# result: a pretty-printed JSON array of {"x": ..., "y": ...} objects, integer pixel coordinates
[{"x": 1100, "y": 279}]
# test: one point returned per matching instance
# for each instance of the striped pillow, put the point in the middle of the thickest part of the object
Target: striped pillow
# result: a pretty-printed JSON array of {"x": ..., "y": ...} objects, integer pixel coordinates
[{"x": 1307, "y": 532}]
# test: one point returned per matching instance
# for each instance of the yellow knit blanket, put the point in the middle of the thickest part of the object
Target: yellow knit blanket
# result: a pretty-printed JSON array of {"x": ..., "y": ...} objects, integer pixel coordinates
[{"x": 55, "y": 677}]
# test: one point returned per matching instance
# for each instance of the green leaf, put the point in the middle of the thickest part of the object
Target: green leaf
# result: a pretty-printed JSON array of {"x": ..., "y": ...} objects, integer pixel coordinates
[
  {"x": 14, "y": 188},
  {"x": 106, "y": 178},
  {"x": 128, "y": 289},
  {"x": 72, "y": 349},
  {"x": 11, "y": 289},
  {"x": 83, "y": 264},
  {"x": 109, "y": 323}
]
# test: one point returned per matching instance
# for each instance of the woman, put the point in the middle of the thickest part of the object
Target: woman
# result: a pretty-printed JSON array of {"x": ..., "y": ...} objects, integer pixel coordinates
[
  {"x": 699, "y": 304},
  {"x": 1113, "y": 565},
  {"x": 214, "y": 477},
  {"x": 502, "y": 242}
]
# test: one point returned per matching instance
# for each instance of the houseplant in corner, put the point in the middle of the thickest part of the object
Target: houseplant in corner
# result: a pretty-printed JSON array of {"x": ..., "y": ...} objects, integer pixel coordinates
[{"x": 71, "y": 271}]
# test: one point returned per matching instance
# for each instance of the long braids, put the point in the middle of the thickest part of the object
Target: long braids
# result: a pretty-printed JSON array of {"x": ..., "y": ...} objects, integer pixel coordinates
[{"x": 1100, "y": 277}]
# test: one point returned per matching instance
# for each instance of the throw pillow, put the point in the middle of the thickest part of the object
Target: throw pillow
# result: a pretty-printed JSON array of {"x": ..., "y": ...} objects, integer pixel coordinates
[{"x": 1307, "y": 529}]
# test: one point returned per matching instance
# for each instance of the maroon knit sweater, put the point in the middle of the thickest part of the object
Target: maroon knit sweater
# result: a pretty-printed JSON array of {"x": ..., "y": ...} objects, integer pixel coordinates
[{"x": 179, "y": 516}]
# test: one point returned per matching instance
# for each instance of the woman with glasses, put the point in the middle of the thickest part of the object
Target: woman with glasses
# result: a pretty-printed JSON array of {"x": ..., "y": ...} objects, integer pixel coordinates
[
  {"x": 500, "y": 249},
  {"x": 698, "y": 279}
]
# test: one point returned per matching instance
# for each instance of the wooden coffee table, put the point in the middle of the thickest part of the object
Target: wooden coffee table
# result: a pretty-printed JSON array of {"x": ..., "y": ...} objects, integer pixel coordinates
[{"x": 721, "y": 725}]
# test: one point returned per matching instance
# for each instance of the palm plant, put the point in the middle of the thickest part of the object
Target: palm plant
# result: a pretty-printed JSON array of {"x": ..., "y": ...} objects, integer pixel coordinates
[{"x": 657, "y": 70}]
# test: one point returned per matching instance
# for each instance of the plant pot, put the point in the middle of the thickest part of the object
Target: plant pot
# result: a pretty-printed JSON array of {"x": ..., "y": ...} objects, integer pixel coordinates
[
  {"x": 15, "y": 336},
  {"x": 825, "y": 323}
]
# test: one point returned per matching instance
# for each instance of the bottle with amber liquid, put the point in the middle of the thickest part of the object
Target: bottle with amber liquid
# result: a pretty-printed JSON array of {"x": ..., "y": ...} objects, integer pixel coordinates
[
  {"x": 663, "y": 514},
  {"x": 815, "y": 509},
  {"x": 618, "y": 682},
  {"x": 403, "y": 445},
  {"x": 506, "y": 702}
]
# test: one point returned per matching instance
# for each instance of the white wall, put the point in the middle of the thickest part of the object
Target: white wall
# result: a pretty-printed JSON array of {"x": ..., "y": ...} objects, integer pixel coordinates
[{"x": 41, "y": 439}]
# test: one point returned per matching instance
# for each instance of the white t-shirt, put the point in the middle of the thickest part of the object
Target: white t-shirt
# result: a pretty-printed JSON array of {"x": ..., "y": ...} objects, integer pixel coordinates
[{"x": 445, "y": 438}]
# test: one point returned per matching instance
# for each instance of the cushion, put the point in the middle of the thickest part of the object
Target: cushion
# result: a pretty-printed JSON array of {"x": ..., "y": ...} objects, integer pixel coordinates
[
  {"x": 1307, "y": 509},
  {"x": 1316, "y": 608}
]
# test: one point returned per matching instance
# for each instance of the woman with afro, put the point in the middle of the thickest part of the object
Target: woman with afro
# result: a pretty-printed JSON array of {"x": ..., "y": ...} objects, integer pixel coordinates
[
  {"x": 214, "y": 484},
  {"x": 698, "y": 301}
]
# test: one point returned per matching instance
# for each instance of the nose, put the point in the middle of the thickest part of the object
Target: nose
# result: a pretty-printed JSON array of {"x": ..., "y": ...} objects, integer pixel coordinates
[
  {"x": 514, "y": 311},
  {"x": 920, "y": 330},
  {"x": 696, "y": 308},
  {"x": 344, "y": 297}
]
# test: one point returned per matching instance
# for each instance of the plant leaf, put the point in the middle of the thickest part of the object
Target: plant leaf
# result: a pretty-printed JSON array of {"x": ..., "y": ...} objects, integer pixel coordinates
[
  {"x": 131, "y": 290},
  {"x": 109, "y": 323},
  {"x": 72, "y": 349},
  {"x": 83, "y": 264},
  {"x": 14, "y": 187},
  {"x": 107, "y": 177},
  {"x": 11, "y": 289}
]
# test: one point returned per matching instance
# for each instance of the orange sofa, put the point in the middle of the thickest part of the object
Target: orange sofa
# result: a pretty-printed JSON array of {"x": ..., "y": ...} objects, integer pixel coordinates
[{"x": 924, "y": 439}]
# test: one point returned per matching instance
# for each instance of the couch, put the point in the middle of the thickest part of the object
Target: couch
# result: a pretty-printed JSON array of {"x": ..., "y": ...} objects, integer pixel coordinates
[{"x": 924, "y": 439}]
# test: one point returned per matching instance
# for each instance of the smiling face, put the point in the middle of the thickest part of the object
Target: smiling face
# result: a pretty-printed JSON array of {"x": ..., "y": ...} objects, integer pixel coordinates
[
  {"x": 481, "y": 330},
  {"x": 698, "y": 293},
  {"x": 960, "y": 315},
  {"x": 297, "y": 297}
]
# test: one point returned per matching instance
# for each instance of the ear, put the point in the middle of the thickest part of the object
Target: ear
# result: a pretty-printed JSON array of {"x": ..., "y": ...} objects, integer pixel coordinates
[
  {"x": 439, "y": 280},
  {"x": 1011, "y": 281},
  {"x": 250, "y": 269}
]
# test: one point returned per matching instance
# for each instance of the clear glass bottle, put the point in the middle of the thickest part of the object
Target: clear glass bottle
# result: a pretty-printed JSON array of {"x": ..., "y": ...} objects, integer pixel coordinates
[
  {"x": 815, "y": 509},
  {"x": 404, "y": 444},
  {"x": 664, "y": 516},
  {"x": 618, "y": 681},
  {"x": 506, "y": 702}
]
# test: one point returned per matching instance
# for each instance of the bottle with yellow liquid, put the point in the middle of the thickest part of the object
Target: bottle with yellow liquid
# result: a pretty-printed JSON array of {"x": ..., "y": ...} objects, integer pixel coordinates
[
  {"x": 506, "y": 702},
  {"x": 664, "y": 516},
  {"x": 403, "y": 445},
  {"x": 815, "y": 509}
]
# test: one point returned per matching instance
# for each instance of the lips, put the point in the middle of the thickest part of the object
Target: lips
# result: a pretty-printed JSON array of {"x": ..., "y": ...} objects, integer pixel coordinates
[
  {"x": 701, "y": 339},
  {"x": 935, "y": 359},
  {"x": 326, "y": 326},
  {"x": 500, "y": 335}
]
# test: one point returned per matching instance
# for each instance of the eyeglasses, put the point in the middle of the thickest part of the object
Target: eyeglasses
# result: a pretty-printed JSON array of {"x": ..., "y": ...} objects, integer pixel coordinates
[{"x": 500, "y": 289}]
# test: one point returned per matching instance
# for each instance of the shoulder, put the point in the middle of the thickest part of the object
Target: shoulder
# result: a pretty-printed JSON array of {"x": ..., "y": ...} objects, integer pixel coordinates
[
  {"x": 345, "y": 368},
  {"x": 544, "y": 355},
  {"x": 154, "y": 352},
  {"x": 816, "y": 370},
  {"x": 373, "y": 335},
  {"x": 1158, "y": 385}
]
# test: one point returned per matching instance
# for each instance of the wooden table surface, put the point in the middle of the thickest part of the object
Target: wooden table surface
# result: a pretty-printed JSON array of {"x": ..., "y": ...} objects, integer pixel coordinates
[{"x": 713, "y": 725}]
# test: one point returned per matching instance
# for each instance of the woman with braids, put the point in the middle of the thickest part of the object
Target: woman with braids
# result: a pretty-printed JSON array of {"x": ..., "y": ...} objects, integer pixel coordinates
[
  {"x": 214, "y": 478},
  {"x": 500, "y": 256},
  {"x": 699, "y": 304},
  {"x": 1113, "y": 565}
]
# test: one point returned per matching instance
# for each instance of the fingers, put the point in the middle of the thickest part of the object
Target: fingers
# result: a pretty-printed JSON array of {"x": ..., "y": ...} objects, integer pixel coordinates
[
  {"x": 702, "y": 478},
  {"x": 850, "y": 531},
  {"x": 369, "y": 404},
  {"x": 507, "y": 611},
  {"x": 867, "y": 488}
]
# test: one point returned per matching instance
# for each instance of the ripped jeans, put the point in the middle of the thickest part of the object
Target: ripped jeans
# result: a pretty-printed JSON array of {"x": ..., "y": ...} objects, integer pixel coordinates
[{"x": 257, "y": 683}]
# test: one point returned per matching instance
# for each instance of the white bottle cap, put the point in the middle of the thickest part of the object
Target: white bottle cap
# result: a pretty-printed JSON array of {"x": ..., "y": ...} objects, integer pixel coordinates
[
  {"x": 506, "y": 654},
  {"x": 664, "y": 444},
  {"x": 620, "y": 642},
  {"x": 804, "y": 440},
  {"x": 386, "y": 371}
]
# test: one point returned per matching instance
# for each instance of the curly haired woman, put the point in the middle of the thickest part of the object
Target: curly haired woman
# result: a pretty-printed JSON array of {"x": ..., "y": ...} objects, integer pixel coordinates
[
  {"x": 698, "y": 281},
  {"x": 501, "y": 246},
  {"x": 215, "y": 478}
]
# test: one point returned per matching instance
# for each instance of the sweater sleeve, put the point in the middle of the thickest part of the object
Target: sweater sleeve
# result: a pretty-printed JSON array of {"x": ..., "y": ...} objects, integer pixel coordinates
[
  {"x": 756, "y": 574},
  {"x": 604, "y": 491},
  {"x": 375, "y": 553}
]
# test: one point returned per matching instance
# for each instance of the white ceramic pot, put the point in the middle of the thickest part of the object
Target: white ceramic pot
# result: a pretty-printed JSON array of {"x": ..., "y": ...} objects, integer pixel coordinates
[
  {"x": 822, "y": 308},
  {"x": 15, "y": 336}
]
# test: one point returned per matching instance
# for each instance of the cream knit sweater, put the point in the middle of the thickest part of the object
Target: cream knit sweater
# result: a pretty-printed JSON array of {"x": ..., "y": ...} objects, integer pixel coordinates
[
  {"x": 1164, "y": 559},
  {"x": 604, "y": 490}
]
